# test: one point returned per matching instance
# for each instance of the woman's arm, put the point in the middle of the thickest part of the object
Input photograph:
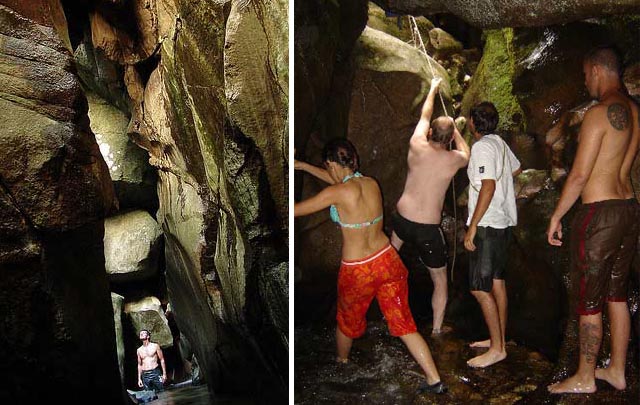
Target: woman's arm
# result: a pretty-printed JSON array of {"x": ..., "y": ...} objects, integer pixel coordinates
[{"x": 315, "y": 171}]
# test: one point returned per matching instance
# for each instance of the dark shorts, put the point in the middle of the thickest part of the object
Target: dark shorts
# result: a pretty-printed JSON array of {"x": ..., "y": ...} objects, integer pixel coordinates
[
  {"x": 603, "y": 242},
  {"x": 152, "y": 379},
  {"x": 489, "y": 260},
  {"x": 428, "y": 238}
]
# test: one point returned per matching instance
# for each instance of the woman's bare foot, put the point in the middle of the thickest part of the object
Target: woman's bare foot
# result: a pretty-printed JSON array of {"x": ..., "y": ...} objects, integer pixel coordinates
[
  {"x": 341, "y": 360},
  {"x": 573, "y": 385},
  {"x": 487, "y": 359},
  {"x": 481, "y": 343},
  {"x": 617, "y": 380}
]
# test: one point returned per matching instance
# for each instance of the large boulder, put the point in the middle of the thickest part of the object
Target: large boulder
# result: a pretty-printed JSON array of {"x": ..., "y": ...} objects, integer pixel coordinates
[
  {"x": 57, "y": 319},
  {"x": 132, "y": 244},
  {"x": 148, "y": 314},
  {"x": 398, "y": 25},
  {"x": 515, "y": 13},
  {"x": 133, "y": 178}
]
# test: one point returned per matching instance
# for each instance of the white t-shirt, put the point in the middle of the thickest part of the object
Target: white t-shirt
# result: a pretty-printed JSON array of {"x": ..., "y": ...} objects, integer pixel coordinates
[{"x": 491, "y": 158}]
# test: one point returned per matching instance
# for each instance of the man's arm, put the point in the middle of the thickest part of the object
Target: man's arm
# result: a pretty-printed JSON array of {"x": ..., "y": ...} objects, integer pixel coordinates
[
  {"x": 461, "y": 145},
  {"x": 420, "y": 133},
  {"x": 591, "y": 134},
  {"x": 162, "y": 364},
  {"x": 487, "y": 190},
  {"x": 318, "y": 202},
  {"x": 315, "y": 171},
  {"x": 139, "y": 369}
]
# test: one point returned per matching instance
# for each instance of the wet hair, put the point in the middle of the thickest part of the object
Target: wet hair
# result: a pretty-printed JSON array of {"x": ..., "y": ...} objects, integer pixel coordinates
[
  {"x": 606, "y": 56},
  {"x": 485, "y": 117},
  {"x": 442, "y": 130},
  {"x": 342, "y": 152}
]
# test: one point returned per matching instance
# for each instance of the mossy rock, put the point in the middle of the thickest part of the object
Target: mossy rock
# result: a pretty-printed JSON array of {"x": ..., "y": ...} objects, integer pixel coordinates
[{"x": 493, "y": 81}]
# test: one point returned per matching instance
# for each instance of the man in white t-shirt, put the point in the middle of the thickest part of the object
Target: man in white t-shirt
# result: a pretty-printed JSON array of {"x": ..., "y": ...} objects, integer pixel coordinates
[{"x": 492, "y": 212}]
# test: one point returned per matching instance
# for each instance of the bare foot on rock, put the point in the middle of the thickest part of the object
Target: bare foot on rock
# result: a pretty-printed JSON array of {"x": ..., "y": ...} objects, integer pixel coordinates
[
  {"x": 573, "y": 385},
  {"x": 487, "y": 359},
  {"x": 481, "y": 343},
  {"x": 617, "y": 380},
  {"x": 441, "y": 331}
]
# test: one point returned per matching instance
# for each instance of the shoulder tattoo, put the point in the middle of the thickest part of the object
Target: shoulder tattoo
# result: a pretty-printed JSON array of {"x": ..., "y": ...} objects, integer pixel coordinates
[{"x": 618, "y": 116}]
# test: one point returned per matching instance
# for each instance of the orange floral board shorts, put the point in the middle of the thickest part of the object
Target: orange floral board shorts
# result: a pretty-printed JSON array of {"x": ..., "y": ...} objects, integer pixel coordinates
[{"x": 381, "y": 275}]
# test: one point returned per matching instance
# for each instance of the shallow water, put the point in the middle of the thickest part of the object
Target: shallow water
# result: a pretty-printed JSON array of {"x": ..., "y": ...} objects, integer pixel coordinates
[
  {"x": 381, "y": 371},
  {"x": 196, "y": 395}
]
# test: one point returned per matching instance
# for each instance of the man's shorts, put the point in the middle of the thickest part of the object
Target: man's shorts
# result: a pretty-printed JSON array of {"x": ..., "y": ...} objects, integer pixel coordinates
[
  {"x": 382, "y": 275},
  {"x": 152, "y": 379},
  {"x": 603, "y": 241},
  {"x": 428, "y": 238},
  {"x": 489, "y": 260}
]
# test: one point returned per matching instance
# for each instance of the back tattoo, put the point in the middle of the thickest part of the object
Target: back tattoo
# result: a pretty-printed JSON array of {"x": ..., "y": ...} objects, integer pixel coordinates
[{"x": 618, "y": 116}]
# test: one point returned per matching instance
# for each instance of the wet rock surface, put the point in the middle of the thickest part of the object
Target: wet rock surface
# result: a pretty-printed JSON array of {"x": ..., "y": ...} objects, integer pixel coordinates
[
  {"x": 516, "y": 13},
  {"x": 382, "y": 371}
]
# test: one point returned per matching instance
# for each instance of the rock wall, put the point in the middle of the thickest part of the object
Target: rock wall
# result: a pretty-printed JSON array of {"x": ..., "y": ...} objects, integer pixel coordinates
[
  {"x": 515, "y": 13},
  {"x": 213, "y": 117},
  {"x": 200, "y": 92},
  {"x": 57, "y": 331}
]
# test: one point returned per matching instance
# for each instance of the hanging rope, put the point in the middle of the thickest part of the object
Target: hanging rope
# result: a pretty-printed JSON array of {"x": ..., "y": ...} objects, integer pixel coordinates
[{"x": 419, "y": 43}]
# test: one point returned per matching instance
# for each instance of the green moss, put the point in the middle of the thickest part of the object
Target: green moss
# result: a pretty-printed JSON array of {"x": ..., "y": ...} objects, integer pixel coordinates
[{"x": 493, "y": 80}]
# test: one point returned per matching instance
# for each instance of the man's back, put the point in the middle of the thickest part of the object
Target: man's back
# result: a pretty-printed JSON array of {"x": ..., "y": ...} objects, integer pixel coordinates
[
  {"x": 614, "y": 123},
  {"x": 431, "y": 168}
]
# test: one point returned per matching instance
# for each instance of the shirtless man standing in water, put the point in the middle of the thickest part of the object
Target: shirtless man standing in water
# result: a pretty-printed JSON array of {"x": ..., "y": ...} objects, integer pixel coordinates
[
  {"x": 149, "y": 371},
  {"x": 419, "y": 210},
  {"x": 604, "y": 231}
]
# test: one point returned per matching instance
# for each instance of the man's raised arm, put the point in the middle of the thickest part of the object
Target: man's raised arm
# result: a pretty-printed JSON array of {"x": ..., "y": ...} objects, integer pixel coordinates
[
  {"x": 427, "y": 110},
  {"x": 461, "y": 144}
]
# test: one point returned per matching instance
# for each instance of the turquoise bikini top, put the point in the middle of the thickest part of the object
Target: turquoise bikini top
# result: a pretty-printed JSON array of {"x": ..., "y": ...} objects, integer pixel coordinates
[{"x": 335, "y": 217}]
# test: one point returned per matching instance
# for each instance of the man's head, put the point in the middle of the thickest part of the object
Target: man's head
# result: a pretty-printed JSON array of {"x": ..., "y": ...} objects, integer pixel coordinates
[
  {"x": 441, "y": 130},
  {"x": 145, "y": 334},
  {"x": 601, "y": 66},
  {"x": 484, "y": 118}
]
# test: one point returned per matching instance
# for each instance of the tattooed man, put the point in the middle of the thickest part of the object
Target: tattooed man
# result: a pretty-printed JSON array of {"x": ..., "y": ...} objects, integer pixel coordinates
[{"x": 604, "y": 230}]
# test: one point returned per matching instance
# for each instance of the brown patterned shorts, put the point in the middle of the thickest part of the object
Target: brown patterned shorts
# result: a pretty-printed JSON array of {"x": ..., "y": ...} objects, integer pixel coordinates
[{"x": 604, "y": 240}]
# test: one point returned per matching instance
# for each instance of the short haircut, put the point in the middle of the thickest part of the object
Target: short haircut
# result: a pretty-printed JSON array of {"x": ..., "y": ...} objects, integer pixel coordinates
[
  {"x": 607, "y": 56},
  {"x": 148, "y": 333},
  {"x": 442, "y": 130},
  {"x": 485, "y": 117},
  {"x": 342, "y": 152}
]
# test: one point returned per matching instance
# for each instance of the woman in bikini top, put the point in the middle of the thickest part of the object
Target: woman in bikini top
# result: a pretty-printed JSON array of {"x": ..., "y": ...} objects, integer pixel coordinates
[{"x": 355, "y": 201}]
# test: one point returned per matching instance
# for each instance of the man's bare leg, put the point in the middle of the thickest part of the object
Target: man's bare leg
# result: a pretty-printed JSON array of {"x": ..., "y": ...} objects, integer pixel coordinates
[
  {"x": 396, "y": 242},
  {"x": 343, "y": 343},
  {"x": 620, "y": 321},
  {"x": 496, "y": 350},
  {"x": 439, "y": 296},
  {"x": 499, "y": 293},
  {"x": 420, "y": 351},
  {"x": 583, "y": 381}
]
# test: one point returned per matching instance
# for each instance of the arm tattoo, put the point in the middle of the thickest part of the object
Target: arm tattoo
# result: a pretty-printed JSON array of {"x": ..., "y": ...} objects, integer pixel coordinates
[{"x": 618, "y": 116}]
